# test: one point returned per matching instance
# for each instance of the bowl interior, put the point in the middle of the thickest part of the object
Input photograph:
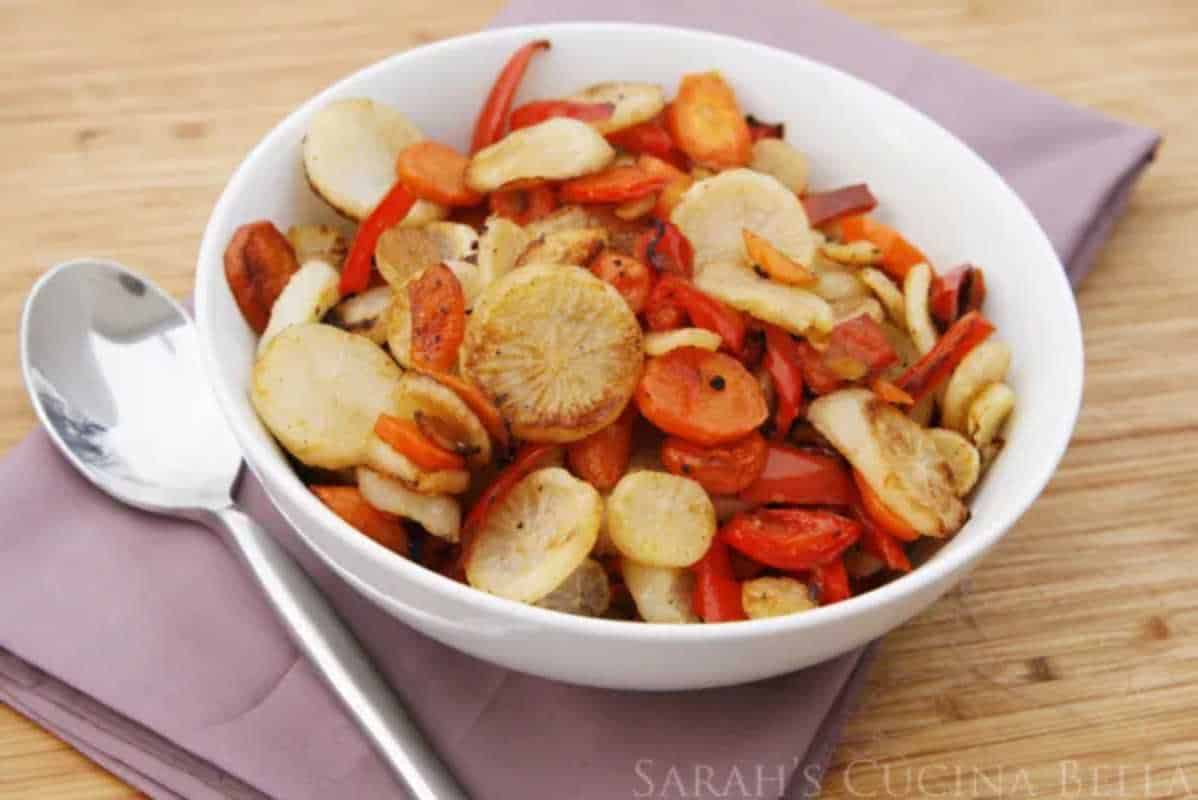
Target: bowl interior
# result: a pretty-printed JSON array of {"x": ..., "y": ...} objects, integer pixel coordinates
[{"x": 929, "y": 185}]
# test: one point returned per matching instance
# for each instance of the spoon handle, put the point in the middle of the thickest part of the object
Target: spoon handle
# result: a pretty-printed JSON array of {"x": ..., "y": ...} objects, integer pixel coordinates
[{"x": 340, "y": 659}]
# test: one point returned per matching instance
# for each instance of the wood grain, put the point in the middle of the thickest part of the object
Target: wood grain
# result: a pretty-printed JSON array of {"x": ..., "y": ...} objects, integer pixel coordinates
[{"x": 1066, "y": 666}]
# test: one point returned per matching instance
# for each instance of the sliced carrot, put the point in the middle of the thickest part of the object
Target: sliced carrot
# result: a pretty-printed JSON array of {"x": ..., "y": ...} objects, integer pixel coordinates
[
  {"x": 650, "y": 138},
  {"x": 774, "y": 263},
  {"x": 676, "y": 184},
  {"x": 707, "y": 124},
  {"x": 486, "y": 411},
  {"x": 406, "y": 438},
  {"x": 612, "y": 185},
  {"x": 540, "y": 110},
  {"x": 890, "y": 393},
  {"x": 898, "y": 254},
  {"x": 347, "y": 502},
  {"x": 880, "y": 515},
  {"x": 436, "y": 172},
  {"x": 524, "y": 203},
  {"x": 438, "y": 317},
  {"x": 632, "y": 278},
  {"x": 601, "y": 458}
]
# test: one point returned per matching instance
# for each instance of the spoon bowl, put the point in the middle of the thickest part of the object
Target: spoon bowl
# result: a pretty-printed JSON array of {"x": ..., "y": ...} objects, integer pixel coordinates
[
  {"x": 111, "y": 364},
  {"x": 113, "y": 371}
]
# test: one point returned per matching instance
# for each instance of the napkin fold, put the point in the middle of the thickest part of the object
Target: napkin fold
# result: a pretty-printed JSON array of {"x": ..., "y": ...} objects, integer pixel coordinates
[{"x": 141, "y": 641}]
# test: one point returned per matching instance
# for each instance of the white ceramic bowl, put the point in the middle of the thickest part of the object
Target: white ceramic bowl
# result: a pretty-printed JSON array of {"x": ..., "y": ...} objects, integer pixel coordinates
[{"x": 930, "y": 185}]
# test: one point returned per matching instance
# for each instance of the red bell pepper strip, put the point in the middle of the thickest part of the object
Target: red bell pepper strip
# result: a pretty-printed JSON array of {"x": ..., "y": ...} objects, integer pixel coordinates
[
  {"x": 824, "y": 207},
  {"x": 958, "y": 292},
  {"x": 541, "y": 110},
  {"x": 488, "y": 129},
  {"x": 935, "y": 366},
  {"x": 790, "y": 538},
  {"x": 651, "y": 138},
  {"x": 704, "y": 311},
  {"x": 612, "y": 185},
  {"x": 717, "y": 595},
  {"x": 783, "y": 365},
  {"x": 395, "y": 205},
  {"x": 884, "y": 547},
  {"x": 862, "y": 340},
  {"x": 666, "y": 249},
  {"x": 765, "y": 130},
  {"x": 818, "y": 377},
  {"x": 800, "y": 477},
  {"x": 832, "y": 582}
]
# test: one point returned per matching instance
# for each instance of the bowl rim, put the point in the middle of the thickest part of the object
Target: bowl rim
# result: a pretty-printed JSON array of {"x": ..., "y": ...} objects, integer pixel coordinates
[{"x": 932, "y": 572}]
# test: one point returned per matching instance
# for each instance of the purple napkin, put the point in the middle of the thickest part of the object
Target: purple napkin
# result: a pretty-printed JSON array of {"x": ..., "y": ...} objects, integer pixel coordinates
[{"x": 141, "y": 641}]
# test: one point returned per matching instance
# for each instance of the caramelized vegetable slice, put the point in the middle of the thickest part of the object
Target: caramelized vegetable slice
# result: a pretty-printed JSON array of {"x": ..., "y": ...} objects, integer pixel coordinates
[
  {"x": 436, "y": 172},
  {"x": 319, "y": 390},
  {"x": 259, "y": 262},
  {"x": 660, "y": 519},
  {"x": 347, "y": 502},
  {"x": 535, "y": 537},
  {"x": 661, "y": 594},
  {"x": 586, "y": 592},
  {"x": 557, "y": 149},
  {"x": 707, "y": 123},
  {"x": 707, "y": 398},
  {"x": 895, "y": 456},
  {"x": 438, "y": 318}
]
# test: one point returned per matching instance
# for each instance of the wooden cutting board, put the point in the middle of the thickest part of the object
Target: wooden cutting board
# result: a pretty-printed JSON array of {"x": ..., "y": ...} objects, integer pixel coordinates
[{"x": 1067, "y": 666}]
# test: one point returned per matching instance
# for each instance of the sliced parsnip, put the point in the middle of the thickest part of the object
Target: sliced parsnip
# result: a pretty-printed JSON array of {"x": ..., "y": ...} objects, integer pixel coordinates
[
  {"x": 714, "y": 213},
  {"x": 469, "y": 277},
  {"x": 403, "y": 252},
  {"x": 661, "y": 342},
  {"x": 963, "y": 459},
  {"x": 501, "y": 243},
  {"x": 661, "y": 594},
  {"x": 382, "y": 457},
  {"x": 987, "y": 413},
  {"x": 350, "y": 153},
  {"x": 319, "y": 390},
  {"x": 897, "y": 457},
  {"x": 789, "y": 307},
  {"x": 775, "y": 597},
  {"x": 322, "y": 242},
  {"x": 399, "y": 328},
  {"x": 439, "y": 515},
  {"x": 566, "y": 218},
  {"x": 307, "y": 297},
  {"x": 575, "y": 247},
  {"x": 916, "y": 287},
  {"x": 856, "y": 254},
  {"x": 853, "y": 307},
  {"x": 586, "y": 592},
  {"x": 364, "y": 314},
  {"x": 556, "y": 149},
  {"x": 632, "y": 103},
  {"x": 419, "y": 394},
  {"x": 783, "y": 161},
  {"x": 985, "y": 364},
  {"x": 660, "y": 519},
  {"x": 838, "y": 283},
  {"x": 535, "y": 537},
  {"x": 887, "y": 293},
  {"x": 556, "y": 349}
]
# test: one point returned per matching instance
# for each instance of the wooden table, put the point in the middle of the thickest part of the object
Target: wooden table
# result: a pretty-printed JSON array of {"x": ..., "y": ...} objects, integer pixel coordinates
[{"x": 1066, "y": 666}]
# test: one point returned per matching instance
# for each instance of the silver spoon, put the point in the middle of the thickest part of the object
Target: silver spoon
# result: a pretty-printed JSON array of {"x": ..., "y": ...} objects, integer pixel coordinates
[{"x": 113, "y": 370}]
